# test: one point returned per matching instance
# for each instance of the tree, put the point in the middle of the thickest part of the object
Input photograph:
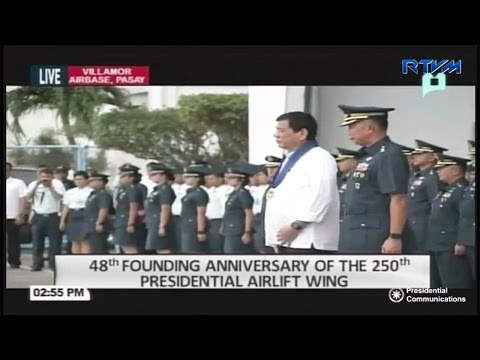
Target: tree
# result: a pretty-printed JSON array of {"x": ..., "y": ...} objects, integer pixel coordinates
[
  {"x": 79, "y": 103},
  {"x": 212, "y": 127},
  {"x": 224, "y": 115}
]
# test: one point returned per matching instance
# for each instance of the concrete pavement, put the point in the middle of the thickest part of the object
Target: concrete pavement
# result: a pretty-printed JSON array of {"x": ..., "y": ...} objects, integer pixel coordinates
[{"x": 22, "y": 278}]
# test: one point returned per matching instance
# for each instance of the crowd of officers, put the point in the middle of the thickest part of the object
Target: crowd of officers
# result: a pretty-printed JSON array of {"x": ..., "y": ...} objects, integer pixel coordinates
[
  {"x": 195, "y": 210},
  {"x": 203, "y": 209},
  {"x": 441, "y": 209}
]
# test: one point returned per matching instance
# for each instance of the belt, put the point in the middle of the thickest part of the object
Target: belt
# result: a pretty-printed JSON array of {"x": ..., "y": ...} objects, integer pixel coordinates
[
  {"x": 46, "y": 215},
  {"x": 79, "y": 210}
]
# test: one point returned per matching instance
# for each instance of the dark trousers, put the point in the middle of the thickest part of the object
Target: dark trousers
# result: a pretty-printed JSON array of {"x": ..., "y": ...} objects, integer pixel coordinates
[
  {"x": 13, "y": 243},
  {"x": 471, "y": 260},
  {"x": 45, "y": 226},
  {"x": 291, "y": 251},
  {"x": 453, "y": 270}
]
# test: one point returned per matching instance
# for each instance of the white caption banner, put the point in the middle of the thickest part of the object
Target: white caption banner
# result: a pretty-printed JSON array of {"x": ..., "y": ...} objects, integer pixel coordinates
[{"x": 243, "y": 272}]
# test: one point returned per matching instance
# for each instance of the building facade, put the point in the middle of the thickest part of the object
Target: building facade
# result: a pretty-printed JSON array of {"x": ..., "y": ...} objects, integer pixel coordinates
[{"x": 445, "y": 118}]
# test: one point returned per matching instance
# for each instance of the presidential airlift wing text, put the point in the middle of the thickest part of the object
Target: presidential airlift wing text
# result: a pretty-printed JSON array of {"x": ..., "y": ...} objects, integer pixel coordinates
[{"x": 243, "y": 272}]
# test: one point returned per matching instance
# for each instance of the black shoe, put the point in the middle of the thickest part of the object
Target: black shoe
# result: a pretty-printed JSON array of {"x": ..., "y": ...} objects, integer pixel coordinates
[
  {"x": 36, "y": 268},
  {"x": 14, "y": 266}
]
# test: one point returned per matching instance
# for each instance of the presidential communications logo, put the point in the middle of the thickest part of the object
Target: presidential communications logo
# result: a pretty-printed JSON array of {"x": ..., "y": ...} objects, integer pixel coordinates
[
  {"x": 437, "y": 295},
  {"x": 396, "y": 295}
]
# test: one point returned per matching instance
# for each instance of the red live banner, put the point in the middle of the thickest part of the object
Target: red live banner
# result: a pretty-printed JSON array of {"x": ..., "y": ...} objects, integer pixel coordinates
[{"x": 108, "y": 75}]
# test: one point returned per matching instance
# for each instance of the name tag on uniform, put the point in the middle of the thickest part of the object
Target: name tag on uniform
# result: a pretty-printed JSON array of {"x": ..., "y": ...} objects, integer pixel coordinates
[
  {"x": 417, "y": 182},
  {"x": 362, "y": 167}
]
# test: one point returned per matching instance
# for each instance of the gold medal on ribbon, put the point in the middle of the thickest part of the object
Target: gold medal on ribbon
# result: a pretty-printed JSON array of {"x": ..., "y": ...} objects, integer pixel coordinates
[{"x": 270, "y": 194}]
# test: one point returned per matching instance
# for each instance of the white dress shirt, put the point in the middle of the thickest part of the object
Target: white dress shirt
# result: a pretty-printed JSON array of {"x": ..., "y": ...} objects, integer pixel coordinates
[
  {"x": 43, "y": 201},
  {"x": 16, "y": 189},
  {"x": 308, "y": 193},
  {"x": 217, "y": 199},
  {"x": 180, "y": 192},
  {"x": 257, "y": 193},
  {"x": 76, "y": 198}
]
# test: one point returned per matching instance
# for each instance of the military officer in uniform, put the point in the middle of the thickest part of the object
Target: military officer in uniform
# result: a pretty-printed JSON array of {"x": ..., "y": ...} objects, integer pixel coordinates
[
  {"x": 451, "y": 266},
  {"x": 193, "y": 215},
  {"x": 238, "y": 222},
  {"x": 271, "y": 167},
  {"x": 376, "y": 197},
  {"x": 129, "y": 227},
  {"x": 471, "y": 166},
  {"x": 424, "y": 185},
  {"x": 346, "y": 162},
  {"x": 97, "y": 211},
  {"x": 159, "y": 210},
  {"x": 467, "y": 224},
  {"x": 142, "y": 231},
  {"x": 408, "y": 152}
]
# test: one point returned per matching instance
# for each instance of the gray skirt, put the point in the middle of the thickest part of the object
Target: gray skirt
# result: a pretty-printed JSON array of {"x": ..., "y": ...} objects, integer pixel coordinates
[
  {"x": 234, "y": 245},
  {"x": 123, "y": 238},
  {"x": 189, "y": 243},
  {"x": 75, "y": 227},
  {"x": 157, "y": 242}
]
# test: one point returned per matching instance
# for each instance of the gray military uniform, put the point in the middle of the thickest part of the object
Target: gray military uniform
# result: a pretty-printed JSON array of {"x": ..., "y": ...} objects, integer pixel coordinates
[
  {"x": 98, "y": 199},
  {"x": 424, "y": 185},
  {"x": 467, "y": 225},
  {"x": 126, "y": 196},
  {"x": 259, "y": 236},
  {"x": 381, "y": 170},
  {"x": 452, "y": 269},
  {"x": 195, "y": 197},
  {"x": 234, "y": 222},
  {"x": 161, "y": 195}
]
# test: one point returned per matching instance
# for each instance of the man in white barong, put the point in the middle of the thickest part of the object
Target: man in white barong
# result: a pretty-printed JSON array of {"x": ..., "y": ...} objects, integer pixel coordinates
[{"x": 302, "y": 210}]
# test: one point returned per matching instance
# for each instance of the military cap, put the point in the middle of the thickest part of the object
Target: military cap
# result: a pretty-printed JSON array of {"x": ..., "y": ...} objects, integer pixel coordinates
[
  {"x": 447, "y": 160},
  {"x": 61, "y": 170},
  {"x": 407, "y": 151},
  {"x": 201, "y": 163},
  {"x": 358, "y": 113},
  {"x": 95, "y": 175},
  {"x": 128, "y": 168},
  {"x": 335, "y": 156},
  {"x": 241, "y": 171},
  {"x": 195, "y": 170},
  {"x": 346, "y": 154},
  {"x": 272, "y": 161},
  {"x": 424, "y": 147},
  {"x": 471, "y": 147},
  {"x": 215, "y": 170},
  {"x": 157, "y": 168}
]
